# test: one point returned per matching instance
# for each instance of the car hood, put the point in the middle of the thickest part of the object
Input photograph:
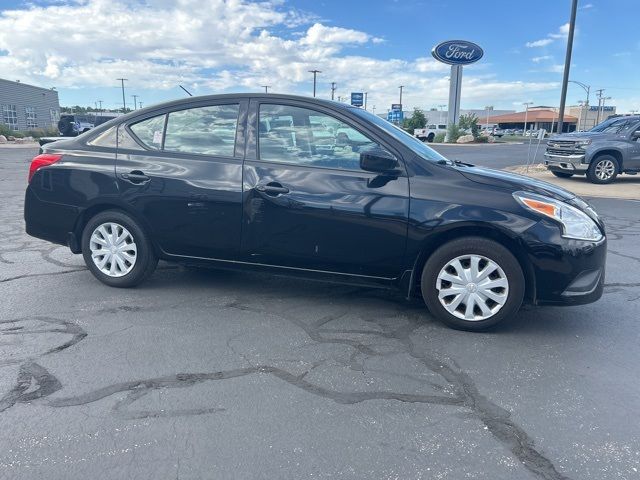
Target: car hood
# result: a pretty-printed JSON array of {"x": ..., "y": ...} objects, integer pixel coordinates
[
  {"x": 574, "y": 136},
  {"x": 514, "y": 182}
]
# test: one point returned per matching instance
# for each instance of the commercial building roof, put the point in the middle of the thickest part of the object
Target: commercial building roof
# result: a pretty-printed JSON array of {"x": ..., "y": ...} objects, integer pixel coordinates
[{"x": 532, "y": 116}]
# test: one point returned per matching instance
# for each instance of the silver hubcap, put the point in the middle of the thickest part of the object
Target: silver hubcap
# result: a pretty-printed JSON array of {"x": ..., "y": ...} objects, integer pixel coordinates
[
  {"x": 113, "y": 249},
  {"x": 605, "y": 169},
  {"x": 472, "y": 287}
]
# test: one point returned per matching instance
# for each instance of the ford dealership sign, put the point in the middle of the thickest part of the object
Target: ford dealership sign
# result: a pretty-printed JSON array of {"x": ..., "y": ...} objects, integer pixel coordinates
[{"x": 457, "y": 52}]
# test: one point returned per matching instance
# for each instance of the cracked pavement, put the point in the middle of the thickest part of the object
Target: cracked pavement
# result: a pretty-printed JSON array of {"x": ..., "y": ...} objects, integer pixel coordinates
[{"x": 216, "y": 374}]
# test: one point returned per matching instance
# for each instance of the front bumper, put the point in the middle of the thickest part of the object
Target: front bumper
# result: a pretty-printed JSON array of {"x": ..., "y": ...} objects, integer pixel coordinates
[
  {"x": 572, "y": 163},
  {"x": 566, "y": 271}
]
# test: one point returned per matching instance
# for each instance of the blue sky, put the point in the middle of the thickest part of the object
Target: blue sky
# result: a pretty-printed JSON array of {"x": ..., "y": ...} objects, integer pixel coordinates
[{"x": 212, "y": 46}]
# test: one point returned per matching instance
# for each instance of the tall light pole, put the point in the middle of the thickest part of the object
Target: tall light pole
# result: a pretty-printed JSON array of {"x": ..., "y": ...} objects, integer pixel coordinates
[
  {"x": 599, "y": 94},
  {"x": 440, "y": 116},
  {"x": 604, "y": 100},
  {"x": 401, "y": 87},
  {"x": 487, "y": 108},
  {"x": 266, "y": 88},
  {"x": 587, "y": 89},
  {"x": 124, "y": 102},
  {"x": 333, "y": 89},
  {"x": 526, "y": 113},
  {"x": 567, "y": 64},
  {"x": 315, "y": 72},
  {"x": 100, "y": 108},
  {"x": 365, "y": 99},
  {"x": 135, "y": 102}
]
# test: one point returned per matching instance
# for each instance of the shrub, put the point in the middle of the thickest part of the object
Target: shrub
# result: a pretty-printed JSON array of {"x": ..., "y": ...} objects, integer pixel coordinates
[
  {"x": 453, "y": 133},
  {"x": 439, "y": 138},
  {"x": 482, "y": 139}
]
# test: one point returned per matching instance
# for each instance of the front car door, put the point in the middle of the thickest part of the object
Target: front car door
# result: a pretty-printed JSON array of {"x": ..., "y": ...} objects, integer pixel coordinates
[
  {"x": 181, "y": 171},
  {"x": 633, "y": 159},
  {"x": 307, "y": 203}
]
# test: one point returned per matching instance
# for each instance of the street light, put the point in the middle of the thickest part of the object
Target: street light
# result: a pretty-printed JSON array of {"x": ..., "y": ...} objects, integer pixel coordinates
[
  {"x": 440, "y": 115},
  {"x": 526, "y": 113},
  {"x": 266, "y": 88},
  {"x": 315, "y": 72},
  {"x": 587, "y": 89},
  {"x": 401, "y": 87},
  {"x": 488, "y": 108}
]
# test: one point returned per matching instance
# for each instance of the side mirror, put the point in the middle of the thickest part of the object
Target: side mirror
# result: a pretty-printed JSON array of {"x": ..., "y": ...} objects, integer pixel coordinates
[
  {"x": 635, "y": 135},
  {"x": 379, "y": 161}
]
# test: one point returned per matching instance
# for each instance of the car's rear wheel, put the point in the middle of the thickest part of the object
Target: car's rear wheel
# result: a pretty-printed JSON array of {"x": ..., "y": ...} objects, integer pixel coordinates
[
  {"x": 117, "y": 250},
  {"x": 562, "y": 174},
  {"x": 603, "y": 169},
  {"x": 472, "y": 283}
]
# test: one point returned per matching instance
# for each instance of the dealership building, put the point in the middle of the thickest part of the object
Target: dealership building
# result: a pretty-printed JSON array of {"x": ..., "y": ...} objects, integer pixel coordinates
[
  {"x": 576, "y": 118},
  {"x": 27, "y": 107}
]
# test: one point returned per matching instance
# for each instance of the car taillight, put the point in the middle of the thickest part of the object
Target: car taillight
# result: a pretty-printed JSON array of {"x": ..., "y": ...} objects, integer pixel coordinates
[{"x": 42, "y": 160}]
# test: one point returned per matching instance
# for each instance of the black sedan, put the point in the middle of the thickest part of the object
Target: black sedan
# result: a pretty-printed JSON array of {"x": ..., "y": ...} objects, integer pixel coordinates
[{"x": 310, "y": 187}]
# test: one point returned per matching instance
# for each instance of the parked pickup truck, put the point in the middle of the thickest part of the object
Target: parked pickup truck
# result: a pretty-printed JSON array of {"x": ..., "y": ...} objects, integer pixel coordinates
[
  {"x": 608, "y": 149},
  {"x": 428, "y": 134}
]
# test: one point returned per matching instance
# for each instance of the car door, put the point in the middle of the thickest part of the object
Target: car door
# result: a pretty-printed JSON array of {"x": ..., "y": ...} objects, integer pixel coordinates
[
  {"x": 633, "y": 159},
  {"x": 181, "y": 172},
  {"x": 307, "y": 203}
]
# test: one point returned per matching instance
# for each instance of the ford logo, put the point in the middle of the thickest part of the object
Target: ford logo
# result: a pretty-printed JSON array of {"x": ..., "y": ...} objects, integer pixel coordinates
[{"x": 457, "y": 52}]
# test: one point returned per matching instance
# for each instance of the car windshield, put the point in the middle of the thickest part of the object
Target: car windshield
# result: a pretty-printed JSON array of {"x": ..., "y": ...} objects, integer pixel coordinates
[
  {"x": 614, "y": 125},
  {"x": 410, "y": 141}
]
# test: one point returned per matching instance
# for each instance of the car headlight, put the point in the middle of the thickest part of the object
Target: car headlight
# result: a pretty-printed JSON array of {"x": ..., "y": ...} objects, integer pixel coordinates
[
  {"x": 583, "y": 143},
  {"x": 575, "y": 223}
]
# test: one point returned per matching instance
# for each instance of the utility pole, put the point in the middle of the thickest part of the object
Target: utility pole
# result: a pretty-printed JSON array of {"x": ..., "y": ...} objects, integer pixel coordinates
[
  {"x": 315, "y": 73},
  {"x": 100, "y": 108},
  {"x": 135, "y": 102},
  {"x": 333, "y": 89},
  {"x": 374, "y": 110},
  {"x": 124, "y": 102},
  {"x": 599, "y": 94},
  {"x": 526, "y": 113},
  {"x": 604, "y": 100},
  {"x": 487, "y": 108},
  {"x": 567, "y": 64},
  {"x": 401, "y": 87},
  {"x": 140, "y": 104},
  {"x": 266, "y": 88},
  {"x": 365, "y": 99},
  {"x": 440, "y": 116}
]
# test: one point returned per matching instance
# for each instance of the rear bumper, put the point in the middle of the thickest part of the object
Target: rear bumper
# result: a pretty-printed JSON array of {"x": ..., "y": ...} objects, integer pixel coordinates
[
  {"x": 566, "y": 163},
  {"x": 48, "y": 221}
]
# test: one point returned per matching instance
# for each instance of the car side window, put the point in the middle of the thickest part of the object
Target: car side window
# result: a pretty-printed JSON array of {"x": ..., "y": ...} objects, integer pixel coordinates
[
  {"x": 150, "y": 131},
  {"x": 302, "y": 136},
  {"x": 207, "y": 130}
]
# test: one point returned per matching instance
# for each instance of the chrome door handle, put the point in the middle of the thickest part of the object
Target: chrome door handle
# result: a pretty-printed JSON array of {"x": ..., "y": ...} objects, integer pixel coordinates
[{"x": 272, "y": 188}]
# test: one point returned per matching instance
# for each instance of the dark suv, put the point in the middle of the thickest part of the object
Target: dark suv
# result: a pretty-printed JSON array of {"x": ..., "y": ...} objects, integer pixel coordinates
[
  {"x": 603, "y": 152},
  {"x": 317, "y": 188}
]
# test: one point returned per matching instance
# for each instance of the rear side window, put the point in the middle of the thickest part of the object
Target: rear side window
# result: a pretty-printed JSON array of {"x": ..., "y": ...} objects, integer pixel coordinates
[
  {"x": 205, "y": 130},
  {"x": 150, "y": 131}
]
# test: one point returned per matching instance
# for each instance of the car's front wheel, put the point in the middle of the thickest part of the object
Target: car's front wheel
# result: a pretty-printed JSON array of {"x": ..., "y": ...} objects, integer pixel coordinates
[
  {"x": 472, "y": 283},
  {"x": 604, "y": 169},
  {"x": 117, "y": 250}
]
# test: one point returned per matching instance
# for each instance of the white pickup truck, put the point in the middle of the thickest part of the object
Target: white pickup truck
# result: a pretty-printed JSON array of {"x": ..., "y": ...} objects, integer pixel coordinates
[{"x": 428, "y": 134}]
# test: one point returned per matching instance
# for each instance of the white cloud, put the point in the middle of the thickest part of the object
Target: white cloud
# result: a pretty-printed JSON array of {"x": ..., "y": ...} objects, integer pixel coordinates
[
  {"x": 539, "y": 43},
  {"x": 587, "y": 6},
  {"x": 214, "y": 46},
  {"x": 562, "y": 32},
  {"x": 542, "y": 58}
]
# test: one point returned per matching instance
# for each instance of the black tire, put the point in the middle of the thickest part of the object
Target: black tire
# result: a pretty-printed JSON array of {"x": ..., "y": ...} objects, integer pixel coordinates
[
  {"x": 597, "y": 164},
  {"x": 146, "y": 259},
  {"x": 562, "y": 174},
  {"x": 473, "y": 246},
  {"x": 431, "y": 137}
]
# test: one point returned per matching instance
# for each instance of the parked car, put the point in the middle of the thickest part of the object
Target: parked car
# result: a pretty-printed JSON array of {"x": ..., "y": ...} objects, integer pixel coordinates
[
  {"x": 602, "y": 153},
  {"x": 158, "y": 184},
  {"x": 428, "y": 134}
]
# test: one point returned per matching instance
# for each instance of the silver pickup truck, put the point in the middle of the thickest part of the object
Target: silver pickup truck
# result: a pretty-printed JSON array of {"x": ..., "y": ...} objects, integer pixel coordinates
[{"x": 608, "y": 149}]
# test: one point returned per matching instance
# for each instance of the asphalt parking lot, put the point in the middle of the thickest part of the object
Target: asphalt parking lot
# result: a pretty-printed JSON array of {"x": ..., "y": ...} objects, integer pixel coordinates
[{"x": 212, "y": 374}]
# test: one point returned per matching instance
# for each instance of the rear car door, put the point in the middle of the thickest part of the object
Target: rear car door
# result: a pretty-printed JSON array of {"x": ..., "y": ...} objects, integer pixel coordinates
[
  {"x": 181, "y": 172},
  {"x": 307, "y": 202}
]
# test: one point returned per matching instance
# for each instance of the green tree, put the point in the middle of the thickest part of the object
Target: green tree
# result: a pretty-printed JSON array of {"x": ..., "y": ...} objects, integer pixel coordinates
[
  {"x": 417, "y": 120},
  {"x": 470, "y": 123}
]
